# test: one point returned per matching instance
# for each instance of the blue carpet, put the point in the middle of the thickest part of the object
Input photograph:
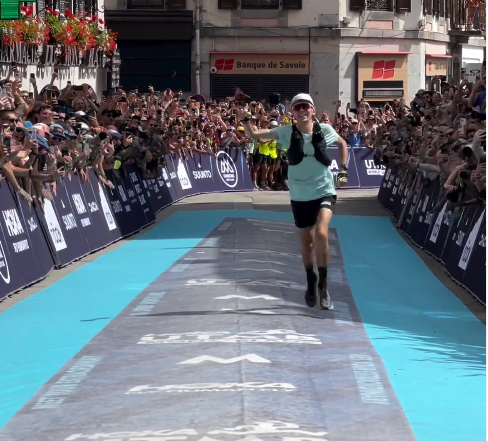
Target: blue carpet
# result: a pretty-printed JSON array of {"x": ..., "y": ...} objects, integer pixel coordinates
[{"x": 432, "y": 346}]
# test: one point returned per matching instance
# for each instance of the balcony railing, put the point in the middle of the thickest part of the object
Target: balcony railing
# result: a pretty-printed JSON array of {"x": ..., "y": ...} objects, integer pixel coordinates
[
  {"x": 379, "y": 5},
  {"x": 468, "y": 15}
]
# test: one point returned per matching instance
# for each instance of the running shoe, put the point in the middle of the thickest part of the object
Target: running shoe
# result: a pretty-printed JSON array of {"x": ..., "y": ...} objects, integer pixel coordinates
[
  {"x": 323, "y": 299},
  {"x": 310, "y": 297}
]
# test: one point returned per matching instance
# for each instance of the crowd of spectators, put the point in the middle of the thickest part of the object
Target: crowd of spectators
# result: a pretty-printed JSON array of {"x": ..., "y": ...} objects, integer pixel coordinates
[
  {"x": 441, "y": 135},
  {"x": 51, "y": 133}
]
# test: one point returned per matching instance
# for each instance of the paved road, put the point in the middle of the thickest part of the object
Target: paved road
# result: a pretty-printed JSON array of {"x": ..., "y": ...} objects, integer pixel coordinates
[{"x": 214, "y": 342}]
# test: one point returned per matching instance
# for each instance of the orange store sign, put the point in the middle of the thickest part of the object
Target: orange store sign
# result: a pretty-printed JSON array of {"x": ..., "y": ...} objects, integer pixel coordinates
[
  {"x": 436, "y": 66},
  {"x": 259, "y": 63},
  {"x": 382, "y": 77}
]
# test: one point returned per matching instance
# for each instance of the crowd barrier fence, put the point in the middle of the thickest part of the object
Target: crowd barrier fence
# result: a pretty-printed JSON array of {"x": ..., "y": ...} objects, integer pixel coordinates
[
  {"x": 362, "y": 173},
  {"x": 458, "y": 243},
  {"x": 85, "y": 216}
]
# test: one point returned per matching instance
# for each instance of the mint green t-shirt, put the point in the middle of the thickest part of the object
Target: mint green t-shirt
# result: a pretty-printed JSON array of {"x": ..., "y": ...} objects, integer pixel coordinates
[{"x": 309, "y": 180}]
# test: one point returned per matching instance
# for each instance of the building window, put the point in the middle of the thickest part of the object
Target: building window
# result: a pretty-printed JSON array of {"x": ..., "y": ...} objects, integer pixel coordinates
[
  {"x": 379, "y": 5},
  {"x": 260, "y": 4},
  {"x": 134, "y": 4}
]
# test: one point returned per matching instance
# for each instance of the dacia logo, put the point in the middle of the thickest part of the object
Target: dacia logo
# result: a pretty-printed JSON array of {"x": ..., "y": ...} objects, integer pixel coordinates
[
  {"x": 225, "y": 166},
  {"x": 227, "y": 169}
]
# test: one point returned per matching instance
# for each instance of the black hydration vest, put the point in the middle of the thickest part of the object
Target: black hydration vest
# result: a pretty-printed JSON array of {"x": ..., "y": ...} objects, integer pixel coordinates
[{"x": 296, "y": 154}]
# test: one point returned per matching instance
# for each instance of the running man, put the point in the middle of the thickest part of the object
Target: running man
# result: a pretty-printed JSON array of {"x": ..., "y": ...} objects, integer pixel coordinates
[{"x": 312, "y": 190}]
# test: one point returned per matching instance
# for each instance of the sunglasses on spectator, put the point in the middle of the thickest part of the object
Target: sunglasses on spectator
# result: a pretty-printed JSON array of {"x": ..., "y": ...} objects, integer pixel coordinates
[{"x": 12, "y": 120}]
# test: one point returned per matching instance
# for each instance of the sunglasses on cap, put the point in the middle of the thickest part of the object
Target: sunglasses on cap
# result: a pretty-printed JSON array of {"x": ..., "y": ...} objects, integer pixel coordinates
[{"x": 301, "y": 106}]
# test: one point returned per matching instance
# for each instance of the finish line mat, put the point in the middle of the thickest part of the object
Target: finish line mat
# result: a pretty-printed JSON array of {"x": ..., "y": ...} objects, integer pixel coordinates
[{"x": 222, "y": 347}]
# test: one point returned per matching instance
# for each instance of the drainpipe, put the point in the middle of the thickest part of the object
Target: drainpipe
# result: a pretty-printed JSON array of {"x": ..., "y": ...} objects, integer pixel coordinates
[{"x": 197, "y": 46}]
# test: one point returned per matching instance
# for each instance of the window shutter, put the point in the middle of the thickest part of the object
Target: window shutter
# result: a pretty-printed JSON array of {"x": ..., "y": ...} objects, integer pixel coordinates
[
  {"x": 175, "y": 5},
  {"x": 292, "y": 4},
  {"x": 227, "y": 4},
  {"x": 79, "y": 7},
  {"x": 40, "y": 6},
  {"x": 442, "y": 8},
  {"x": 357, "y": 5},
  {"x": 436, "y": 7},
  {"x": 404, "y": 5}
]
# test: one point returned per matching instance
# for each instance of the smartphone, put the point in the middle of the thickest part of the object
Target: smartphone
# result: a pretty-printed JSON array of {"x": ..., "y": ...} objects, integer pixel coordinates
[
  {"x": 159, "y": 112},
  {"x": 31, "y": 95},
  {"x": 49, "y": 93},
  {"x": 7, "y": 143},
  {"x": 462, "y": 121},
  {"x": 17, "y": 75},
  {"x": 3, "y": 93},
  {"x": 86, "y": 147},
  {"x": 68, "y": 83},
  {"x": 33, "y": 76}
]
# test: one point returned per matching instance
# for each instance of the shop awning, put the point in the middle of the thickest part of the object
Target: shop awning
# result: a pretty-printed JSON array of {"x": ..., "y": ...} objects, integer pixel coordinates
[{"x": 438, "y": 56}]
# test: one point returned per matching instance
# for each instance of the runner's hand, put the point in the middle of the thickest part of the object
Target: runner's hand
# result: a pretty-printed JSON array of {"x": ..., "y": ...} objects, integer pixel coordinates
[{"x": 342, "y": 178}]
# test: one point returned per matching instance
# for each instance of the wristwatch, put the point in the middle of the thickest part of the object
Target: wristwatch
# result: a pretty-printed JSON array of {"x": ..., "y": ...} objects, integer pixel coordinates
[{"x": 344, "y": 167}]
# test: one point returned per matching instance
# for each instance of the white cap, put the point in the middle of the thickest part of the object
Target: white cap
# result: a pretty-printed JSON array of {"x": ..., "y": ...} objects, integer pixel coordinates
[
  {"x": 274, "y": 123},
  {"x": 302, "y": 98}
]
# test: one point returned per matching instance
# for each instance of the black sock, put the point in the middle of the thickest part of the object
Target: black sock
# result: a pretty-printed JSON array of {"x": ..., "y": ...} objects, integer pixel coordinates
[
  {"x": 322, "y": 276},
  {"x": 311, "y": 278}
]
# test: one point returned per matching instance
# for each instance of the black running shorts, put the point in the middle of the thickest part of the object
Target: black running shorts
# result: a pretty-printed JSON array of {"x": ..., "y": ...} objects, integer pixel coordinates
[
  {"x": 260, "y": 159},
  {"x": 305, "y": 213}
]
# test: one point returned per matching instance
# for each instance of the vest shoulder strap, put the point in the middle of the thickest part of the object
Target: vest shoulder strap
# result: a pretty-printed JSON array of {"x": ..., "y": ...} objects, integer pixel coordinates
[{"x": 317, "y": 128}]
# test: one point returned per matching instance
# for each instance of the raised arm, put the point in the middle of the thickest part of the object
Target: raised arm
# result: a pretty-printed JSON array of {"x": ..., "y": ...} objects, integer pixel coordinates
[{"x": 251, "y": 132}]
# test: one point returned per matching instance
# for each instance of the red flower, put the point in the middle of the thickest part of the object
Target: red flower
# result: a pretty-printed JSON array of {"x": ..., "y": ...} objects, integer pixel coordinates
[{"x": 101, "y": 21}]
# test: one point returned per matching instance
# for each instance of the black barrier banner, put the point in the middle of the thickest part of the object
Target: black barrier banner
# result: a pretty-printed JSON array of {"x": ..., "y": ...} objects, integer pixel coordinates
[
  {"x": 90, "y": 226},
  {"x": 166, "y": 191},
  {"x": 452, "y": 255},
  {"x": 180, "y": 177},
  {"x": 204, "y": 170},
  {"x": 335, "y": 167},
  {"x": 138, "y": 189},
  {"x": 437, "y": 237},
  {"x": 152, "y": 191},
  {"x": 408, "y": 198},
  {"x": 231, "y": 171},
  {"x": 128, "y": 215},
  {"x": 473, "y": 259},
  {"x": 66, "y": 231},
  {"x": 40, "y": 244},
  {"x": 105, "y": 210},
  {"x": 93, "y": 216},
  {"x": 15, "y": 251},
  {"x": 167, "y": 180},
  {"x": 386, "y": 190},
  {"x": 369, "y": 175},
  {"x": 456, "y": 239},
  {"x": 425, "y": 212}
]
